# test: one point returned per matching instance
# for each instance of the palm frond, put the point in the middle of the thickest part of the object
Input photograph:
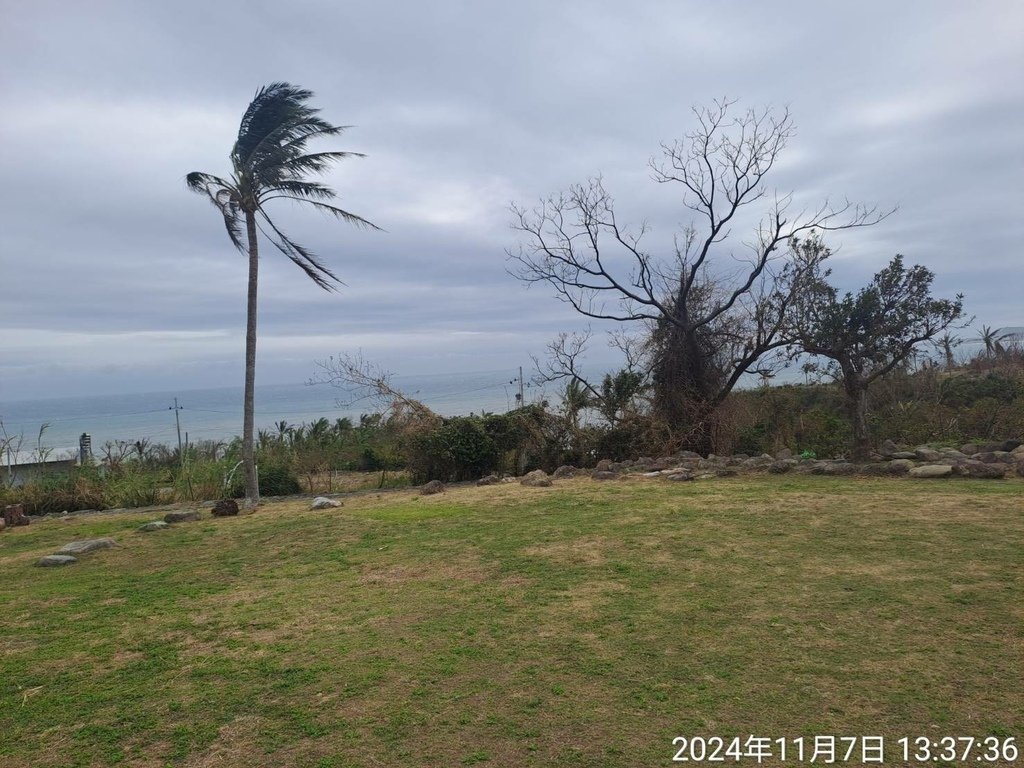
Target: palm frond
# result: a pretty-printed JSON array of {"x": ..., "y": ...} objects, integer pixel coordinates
[
  {"x": 351, "y": 218},
  {"x": 302, "y": 257}
]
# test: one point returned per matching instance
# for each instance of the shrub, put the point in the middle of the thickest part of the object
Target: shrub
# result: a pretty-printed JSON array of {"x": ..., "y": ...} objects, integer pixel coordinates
[{"x": 274, "y": 480}]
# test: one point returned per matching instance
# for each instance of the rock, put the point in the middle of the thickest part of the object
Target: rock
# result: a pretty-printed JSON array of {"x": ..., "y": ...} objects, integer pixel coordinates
[
  {"x": 156, "y": 525},
  {"x": 783, "y": 454},
  {"x": 85, "y": 546},
  {"x": 900, "y": 466},
  {"x": 782, "y": 466},
  {"x": 643, "y": 462},
  {"x": 320, "y": 502},
  {"x": 566, "y": 471},
  {"x": 924, "y": 453},
  {"x": 663, "y": 462},
  {"x": 434, "y": 486},
  {"x": 604, "y": 465},
  {"x": 598, "y": 474},
  {"x": 876, "y": 468},
  {"x": 680, "y": 476},
  {"x": 980, "y": 470},
  {"x": 840, "y": 468},
  {"x": 689, "y": 455},
  {"x": 181, "y": 517},
  {"x": 536, "y": 479},
  {"x": 757, "y": 462},
  {"x": 225, "y": 508},
  {"x": 1011, "y": 445},
  {"x": 953, "y": 453},
  {"x": 1018, "y": 452},
  {"x": 1020, "y": 468},
  {"x": 887, "y": 448},
  {"x": 904, "y": 455},
  {"x": 54, "y": 561},
  {"x": 14, "y": 515},
  {"x": 488, "y": 480},
  {"x": 3, "y": 523},
  {"x": 932, "y": 470},
  {"x": 994, "y": 457},
  {"x": 969, "y": 448}
]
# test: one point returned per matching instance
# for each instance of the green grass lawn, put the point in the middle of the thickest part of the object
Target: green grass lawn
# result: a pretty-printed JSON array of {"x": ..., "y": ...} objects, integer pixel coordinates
[{"x": 586, "y": 624}]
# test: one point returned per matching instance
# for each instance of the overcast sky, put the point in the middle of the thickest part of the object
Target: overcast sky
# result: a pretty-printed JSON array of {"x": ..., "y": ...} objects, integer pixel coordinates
[{"x": 115, "y": 278}]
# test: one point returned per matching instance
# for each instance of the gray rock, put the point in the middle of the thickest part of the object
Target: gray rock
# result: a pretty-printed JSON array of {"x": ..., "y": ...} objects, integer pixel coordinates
[
  {"x": 604, "y": 465},
  {"x": 904, "y": 455},
  {"x": 225, "y": 508},
  {"x": 969, "y": 449},
  {"x": 598, "y": 474},
  {"x": 783, "y": 454},
  {"x": 900, "y": 466},
  {"x": 887, "y": 448},
  {"x": 924, "y": 453},
  {"x": 85, "y": 546},
  {"x": 488, "y": 480},
  {"x": 156, "y": 525},
  {"x": 536, "y": 479},
  {"x": 181, "y": 517},
  {"x": 953, "y": 453},
  {"x": 689, "y": 455},
  {"x": 566, "y": 471},
  {"x": 680, "y": 476},
  {"x": 840, "y": 468},
  {"x": 54, "y": 561},
  {"x": 994, "y": 457},
  {"x": 782, "y": 466},
  {"x": 876, "y": 468},
  {"x": 434, "y": 486},
  {"x": 1020, "y": 468},
  {"x": 322, "y": 502},
  {"x": 1018, "y": 452},
  {"x": 1011, "y": 445},
  {"x": 932, "y": 470},
  {"x": 980, "y": 470}
]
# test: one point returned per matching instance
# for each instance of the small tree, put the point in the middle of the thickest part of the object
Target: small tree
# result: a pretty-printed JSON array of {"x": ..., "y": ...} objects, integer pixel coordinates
[{"x": 868, "y": 334}]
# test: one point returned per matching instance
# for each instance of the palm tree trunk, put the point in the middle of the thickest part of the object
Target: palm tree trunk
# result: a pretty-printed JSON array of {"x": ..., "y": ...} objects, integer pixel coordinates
[{"x": 252, "y": 488}]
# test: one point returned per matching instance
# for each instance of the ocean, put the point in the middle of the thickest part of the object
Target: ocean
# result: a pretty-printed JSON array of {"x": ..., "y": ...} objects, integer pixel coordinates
[{"x": 216, "y": 414}]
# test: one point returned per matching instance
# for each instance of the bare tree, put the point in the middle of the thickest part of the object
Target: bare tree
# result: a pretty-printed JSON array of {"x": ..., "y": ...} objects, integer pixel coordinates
[{"x": 714, "y": 306}]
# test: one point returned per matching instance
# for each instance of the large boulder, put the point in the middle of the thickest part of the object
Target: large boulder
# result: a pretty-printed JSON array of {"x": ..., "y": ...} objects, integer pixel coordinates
[
  {"x": 225, "y": 508},
  {"x": 604, "y": 465},
  {"x": 429, "y": 489},
  {"x": 55, "y": 561},
  {"x": 1011, "y": 445},
  {"x": 782, "y": 466},
  {"x": 994, "y": 457},
  {"x": 924, "y": 453},
  {"x": 488, "y": 480},
  {"x": 969, "y": 448},
  {"x": 536, "y": 479},
  {"x": 565, "y": 471},
  {"x": 980, "y": 470},
  {"x": 85, "y": 546},
  {"x": 932, "y": 470},
  {"x": 188, "y": 516}
]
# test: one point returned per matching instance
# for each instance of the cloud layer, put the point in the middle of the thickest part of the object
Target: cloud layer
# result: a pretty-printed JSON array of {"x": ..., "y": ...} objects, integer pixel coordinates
[{"x": 115, "y": 278}]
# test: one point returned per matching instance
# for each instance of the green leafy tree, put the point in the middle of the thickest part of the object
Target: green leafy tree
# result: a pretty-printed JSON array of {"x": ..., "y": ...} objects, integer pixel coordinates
[
  {"x": 270, "y": 161},
  {"x": 868, "y": 334}
]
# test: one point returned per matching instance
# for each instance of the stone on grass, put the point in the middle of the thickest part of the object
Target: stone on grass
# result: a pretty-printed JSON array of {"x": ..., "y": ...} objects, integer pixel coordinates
[
  {"x": 434, "y": 486},
  {"x": 924, "y": 453},
  {"x": 225, "y": 508},
  {"x": 181, "y": 517},
  {"x": 932, "y": 470},
  {"x": 980, "y": 470},
  {"x": 569, "y": 471},
  {"x": 900, "y": 466},
  {"x": 156, "y": 525},
  {"x": 599, "y": 474},
  {"x": 604, "y": 465},
  {"x": 904, "y": 455},
  {"x": 322, "y": 502},
  {"x": 680, "y": 476},
  {"x": 488, "y": 480},
  {"x": 85, "y": 546},
  {"x": 536, "y": 479},
  {"x": 54, "y": 561},
  {"x": 781, "y": 466}
]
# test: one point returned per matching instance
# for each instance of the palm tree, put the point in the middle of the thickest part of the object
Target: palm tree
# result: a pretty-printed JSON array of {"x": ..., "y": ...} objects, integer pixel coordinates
[
  {"x": 946, "y": 343},
  {"x": 269, "y": 161}
]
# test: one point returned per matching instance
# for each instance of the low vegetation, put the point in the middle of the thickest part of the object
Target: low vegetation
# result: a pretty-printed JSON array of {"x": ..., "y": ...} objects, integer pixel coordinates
[{"x": 584, "y": 624}]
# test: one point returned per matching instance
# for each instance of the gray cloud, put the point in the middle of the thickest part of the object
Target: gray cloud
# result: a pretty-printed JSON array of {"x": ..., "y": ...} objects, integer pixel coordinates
[{"x": 115, "y": 278}]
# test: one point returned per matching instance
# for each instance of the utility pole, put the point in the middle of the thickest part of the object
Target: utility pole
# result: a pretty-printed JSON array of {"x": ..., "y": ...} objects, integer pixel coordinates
[
  {"x": 522, "y": 399},
  {"x": 181, "y": 449}
]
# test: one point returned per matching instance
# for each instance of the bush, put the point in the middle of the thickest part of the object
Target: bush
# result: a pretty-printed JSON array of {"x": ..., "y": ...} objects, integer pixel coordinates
[{"x": 274, "y": 480}]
